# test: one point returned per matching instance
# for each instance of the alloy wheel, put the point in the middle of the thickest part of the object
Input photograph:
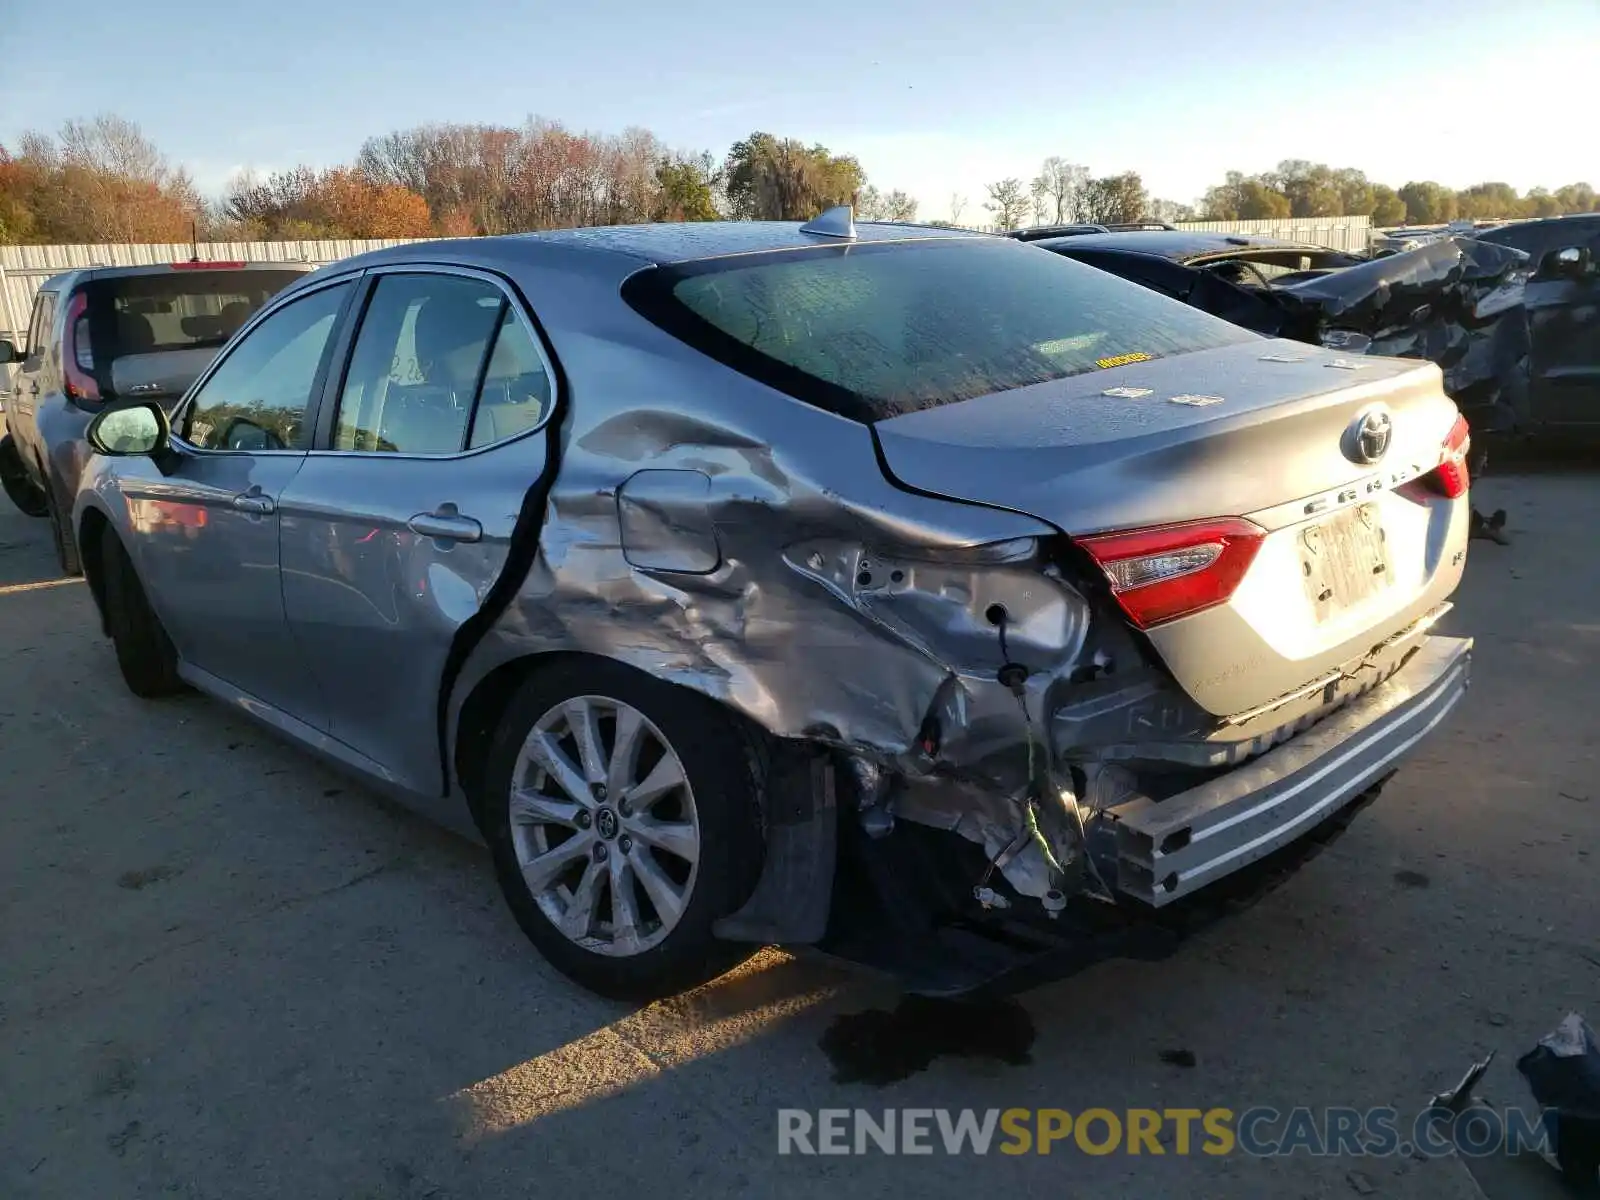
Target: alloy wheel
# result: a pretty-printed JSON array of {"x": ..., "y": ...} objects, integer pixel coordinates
[{"x": 603, "y": 824}]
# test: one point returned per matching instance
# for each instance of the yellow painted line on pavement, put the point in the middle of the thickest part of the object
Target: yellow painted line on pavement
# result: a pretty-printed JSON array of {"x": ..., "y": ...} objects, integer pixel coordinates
[{"x": 11, "y": 589}]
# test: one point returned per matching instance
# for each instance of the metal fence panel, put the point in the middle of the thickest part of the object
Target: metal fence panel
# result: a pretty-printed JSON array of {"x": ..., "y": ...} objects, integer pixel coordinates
[{"x": 1336, "y": 233}]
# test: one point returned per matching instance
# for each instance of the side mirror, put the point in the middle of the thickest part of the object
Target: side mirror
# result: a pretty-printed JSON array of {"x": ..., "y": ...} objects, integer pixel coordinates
[
  {"x": 8, "y": 352},
  {"x": 1569, "y": 262},
  {"x": 130, "y": 431}
]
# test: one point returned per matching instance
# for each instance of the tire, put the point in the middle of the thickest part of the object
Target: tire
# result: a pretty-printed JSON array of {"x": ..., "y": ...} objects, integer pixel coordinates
[
  {"x": 145, "y": 653},
  {"x": 61, "y": 534},
  {"x": 20, "y": 489},
  {"x": 718, "y": 804}
]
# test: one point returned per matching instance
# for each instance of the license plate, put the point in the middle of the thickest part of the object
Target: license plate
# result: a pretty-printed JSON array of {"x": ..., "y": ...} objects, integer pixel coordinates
[{"x": 1345, "y": 560}]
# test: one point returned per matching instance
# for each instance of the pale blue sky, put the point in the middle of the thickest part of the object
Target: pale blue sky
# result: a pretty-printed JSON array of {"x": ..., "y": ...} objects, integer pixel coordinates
[{"x": 934, "y": 98}]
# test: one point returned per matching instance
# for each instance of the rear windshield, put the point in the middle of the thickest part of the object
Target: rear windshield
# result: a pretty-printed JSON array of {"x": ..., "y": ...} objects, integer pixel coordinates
[
  {"x": 184, "y": 310},
  {"x": 871, "y": 331}
]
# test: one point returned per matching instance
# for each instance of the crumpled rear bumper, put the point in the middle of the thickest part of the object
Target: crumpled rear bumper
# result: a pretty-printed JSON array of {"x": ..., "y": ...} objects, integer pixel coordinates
[{"x": 1170, "y": 848}]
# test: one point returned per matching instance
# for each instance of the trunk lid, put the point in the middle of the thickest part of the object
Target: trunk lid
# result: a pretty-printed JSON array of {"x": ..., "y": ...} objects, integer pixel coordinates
[
  {"x": 1264, "y": 430},
  {"x": 1223, "y": 432}
]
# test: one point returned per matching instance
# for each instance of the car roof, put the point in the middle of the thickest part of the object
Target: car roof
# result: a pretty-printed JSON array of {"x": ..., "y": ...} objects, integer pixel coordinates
[
  {"x": 1179, "y": 245},
  {"x": 620, "y": 250},
  {"x": 686, "y": 241}
]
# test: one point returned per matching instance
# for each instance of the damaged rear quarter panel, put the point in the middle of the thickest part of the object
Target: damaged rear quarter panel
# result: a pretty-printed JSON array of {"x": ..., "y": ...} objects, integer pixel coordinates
[{"x": 720, "y": 535}]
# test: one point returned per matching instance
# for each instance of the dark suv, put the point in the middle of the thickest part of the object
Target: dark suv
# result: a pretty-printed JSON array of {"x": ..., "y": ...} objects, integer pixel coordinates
[
  {"x": 1563, "y": 303},
  {"x": 113, "y": 333}
]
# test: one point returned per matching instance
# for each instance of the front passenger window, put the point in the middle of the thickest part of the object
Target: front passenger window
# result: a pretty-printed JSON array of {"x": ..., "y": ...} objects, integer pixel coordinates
[{"x": 258, "y": 397}]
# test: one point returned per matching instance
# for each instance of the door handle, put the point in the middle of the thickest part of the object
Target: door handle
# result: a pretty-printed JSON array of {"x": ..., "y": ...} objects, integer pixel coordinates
[
  {"x": 446, "y": 524},
  {"x": 254, "y": 502}
]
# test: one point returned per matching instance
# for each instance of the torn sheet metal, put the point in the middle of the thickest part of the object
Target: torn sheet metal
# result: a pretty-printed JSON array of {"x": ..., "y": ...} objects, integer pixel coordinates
[
  {"x": 1563, "y": 1073},
  {"x": 798, "y": 588},
  {"x": 1456, "y": 273},
  {"x": 1456, "y": 302}
]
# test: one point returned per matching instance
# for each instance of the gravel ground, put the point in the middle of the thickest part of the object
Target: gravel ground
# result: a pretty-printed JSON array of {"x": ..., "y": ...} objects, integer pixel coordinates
[{"x": 227, "y": 972}]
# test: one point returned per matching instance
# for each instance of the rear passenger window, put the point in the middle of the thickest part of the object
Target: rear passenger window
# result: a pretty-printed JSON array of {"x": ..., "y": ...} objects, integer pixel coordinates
[
  {"x": 441, "y": 364},
  {"x": 516, "y": 387}
]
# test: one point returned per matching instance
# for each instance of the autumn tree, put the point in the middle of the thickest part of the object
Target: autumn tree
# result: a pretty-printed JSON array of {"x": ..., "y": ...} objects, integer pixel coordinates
[
  {"x": 1008, "y": 201},
  {"x": 1243, "y": 197},
  {"x": 1577, "y": 198},
  {"x": 1311, "y": 188},
  {"x": 685, "y": 189},
  {"x": 1115, "y": 199},
  {"x": 99, "y": 180},
  {"x": 873, "y": 205},
  {"x": 782, "y": 179},
  {"x": 1428, "y": 203},
  {"x": 1061, "y": 184},
  {"x": 338, "y": 203},
  {"x": 1388, "y": 209},
  {"x": 1489, "y": 201},
  {"x": 1357, "y": 195},
  {"x": 1168, "y": 211},
  {"x": 465, "y": 173},
  {"x": 20, "y": 180},
  {"x": 1041, "y": 202}
]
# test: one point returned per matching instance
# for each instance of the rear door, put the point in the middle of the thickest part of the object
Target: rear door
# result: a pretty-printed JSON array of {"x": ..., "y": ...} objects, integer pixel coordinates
[
  {"x": 401, "y": 519},
  {"x": 206, "y": 531}
]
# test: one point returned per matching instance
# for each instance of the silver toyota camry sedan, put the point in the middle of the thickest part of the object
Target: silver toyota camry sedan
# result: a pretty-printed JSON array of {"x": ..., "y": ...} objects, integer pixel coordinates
[{"x": 919, "y": 596}]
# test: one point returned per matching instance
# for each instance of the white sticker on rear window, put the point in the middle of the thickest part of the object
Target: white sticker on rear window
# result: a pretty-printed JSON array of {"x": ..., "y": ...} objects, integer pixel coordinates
[
  {"x": 1344, "y": 364},
  {"x": 1126, "y": 393},
  {"x": 1195, "y": 401}
]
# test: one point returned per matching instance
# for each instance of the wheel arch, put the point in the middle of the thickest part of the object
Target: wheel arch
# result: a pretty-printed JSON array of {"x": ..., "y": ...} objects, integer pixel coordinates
[
  {"x": 93, "y": 529},
  {"x": 481, "y": 711}
]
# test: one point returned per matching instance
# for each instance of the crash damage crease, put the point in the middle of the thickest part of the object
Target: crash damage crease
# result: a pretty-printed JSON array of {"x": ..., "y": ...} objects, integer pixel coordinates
[
  {"x": 851, "y": 615},
  {"x": 826, "y": 606},
  {"x": 762, "y": 558}
]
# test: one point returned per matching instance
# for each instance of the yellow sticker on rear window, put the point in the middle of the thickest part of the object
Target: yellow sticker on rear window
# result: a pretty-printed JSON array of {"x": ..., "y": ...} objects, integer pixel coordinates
[{"x": 1123, "y": 360}]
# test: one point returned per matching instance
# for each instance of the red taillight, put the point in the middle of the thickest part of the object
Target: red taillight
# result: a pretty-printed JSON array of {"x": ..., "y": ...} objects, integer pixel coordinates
[
  {"x": 77, "y": 357},
  {"x": 1171, "y": 571},
  {"x": 1449, "y": 479},
  {"x": 206, "y": 266}
]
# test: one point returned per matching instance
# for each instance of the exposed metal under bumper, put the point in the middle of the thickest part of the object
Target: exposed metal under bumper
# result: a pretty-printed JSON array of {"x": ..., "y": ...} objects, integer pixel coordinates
[{"x": 1170, "y": 848}]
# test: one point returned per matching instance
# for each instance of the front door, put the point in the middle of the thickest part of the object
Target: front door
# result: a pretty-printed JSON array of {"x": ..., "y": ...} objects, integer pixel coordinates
[
  {"x": 401, "y": 519},
  {"x": 208, "y": 553}
]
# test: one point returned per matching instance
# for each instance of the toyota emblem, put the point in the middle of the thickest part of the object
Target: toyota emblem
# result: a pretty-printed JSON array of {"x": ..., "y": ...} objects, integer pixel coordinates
[{"x": 1367, "y": 439}]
